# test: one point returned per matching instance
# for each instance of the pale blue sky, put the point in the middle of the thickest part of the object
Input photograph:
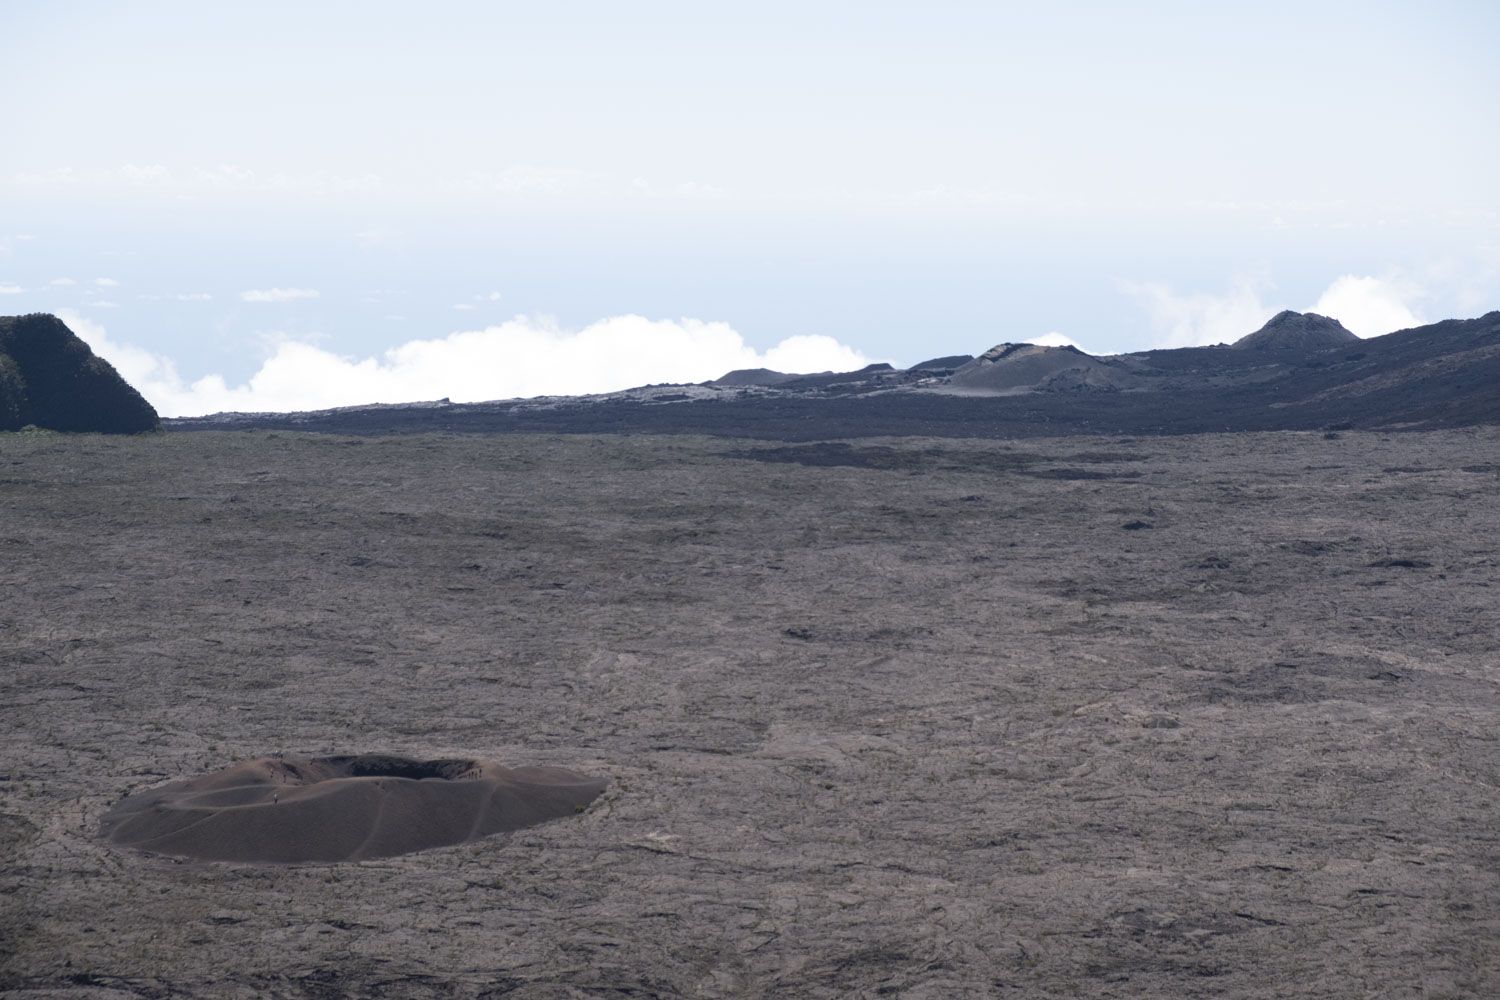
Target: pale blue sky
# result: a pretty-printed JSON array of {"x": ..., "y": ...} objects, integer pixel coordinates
[{"x": 908, "y": 180}]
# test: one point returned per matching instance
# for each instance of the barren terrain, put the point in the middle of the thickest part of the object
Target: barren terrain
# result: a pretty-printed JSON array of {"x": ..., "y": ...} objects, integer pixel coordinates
[{"x": 1198, "y": 716}]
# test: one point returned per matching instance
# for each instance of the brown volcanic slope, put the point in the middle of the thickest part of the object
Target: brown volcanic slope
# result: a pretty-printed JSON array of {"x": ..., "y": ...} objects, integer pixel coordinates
[{"x": 50, "y": 378}]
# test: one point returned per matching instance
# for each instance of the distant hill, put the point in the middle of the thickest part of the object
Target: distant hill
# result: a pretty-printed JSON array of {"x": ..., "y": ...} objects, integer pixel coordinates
[
  {"x": 753, "y": 376},
  {"x": 50, "y": 378},
  {"x": 1019, "y": 367},
  {"x": 1309, "y": 374},
  {"x": 1294, "y": 331}
]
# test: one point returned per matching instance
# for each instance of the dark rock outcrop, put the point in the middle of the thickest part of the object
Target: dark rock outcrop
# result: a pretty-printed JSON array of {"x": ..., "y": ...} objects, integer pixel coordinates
[
  {"x": 1294, "y": 331},
  {"x": 50, "y": 378}
]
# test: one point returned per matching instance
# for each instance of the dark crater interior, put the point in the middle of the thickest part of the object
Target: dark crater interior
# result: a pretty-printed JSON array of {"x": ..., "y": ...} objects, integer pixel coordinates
[{"x": 373, "y": 765}]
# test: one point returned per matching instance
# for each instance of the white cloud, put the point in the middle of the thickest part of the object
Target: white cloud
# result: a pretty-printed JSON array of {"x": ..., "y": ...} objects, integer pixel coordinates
[
  {"x": 491, "y": 297},
  {"x": 947, "y": 195},
  {"x": 524, "y": 180},
  {"x": 194, "y": 297},
  {"x": 699, "y": 191},
  {"x": 1472, "y": 281},
  {"x": 1055, "y": 339},
  {"x": 463, "y": 306},
  {"x": 11, "y": 289},
  {"x": 5, "y": 247},
  {"x": 1369, "y": 306},
  {"x": 104, "y": 304},
  {"x": 225, "y": 175},
  {"x": 1203, "y": 318},
  {"x": 192, "y": 181},
  {"x": 521, "y": 357},
  {"x": 278, "y": 294},
  {"x": 536, "y": 182},
  {"x": 232, "y": 177},
  {"x": 799, "y": 354},
  {"x": 154, "y": 376},
  {"x": 106, "y": 282},
  {"x": 685, "y": 191},
  {"x": 377, "y": 237},
  {"x": 62, "y": 281},
  {"x": 153, "y": 173}
]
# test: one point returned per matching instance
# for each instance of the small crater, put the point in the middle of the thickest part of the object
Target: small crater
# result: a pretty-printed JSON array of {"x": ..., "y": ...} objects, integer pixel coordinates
[{"x": 295, "y": 810}]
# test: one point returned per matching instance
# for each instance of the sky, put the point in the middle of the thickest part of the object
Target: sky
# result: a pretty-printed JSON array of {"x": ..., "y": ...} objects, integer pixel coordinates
[{"x": 278, "y": 206}]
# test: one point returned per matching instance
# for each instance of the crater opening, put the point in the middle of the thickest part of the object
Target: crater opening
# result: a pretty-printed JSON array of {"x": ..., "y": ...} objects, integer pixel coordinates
[{"x": 374, "y": 765}]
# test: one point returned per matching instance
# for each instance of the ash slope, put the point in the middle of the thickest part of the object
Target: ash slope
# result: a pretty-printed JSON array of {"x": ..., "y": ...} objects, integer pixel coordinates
[{"x": 1299, "y": 372}]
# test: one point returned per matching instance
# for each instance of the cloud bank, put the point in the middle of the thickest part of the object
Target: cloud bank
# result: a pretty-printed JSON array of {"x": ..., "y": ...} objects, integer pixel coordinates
[
  {"x": 1202, "y": 318},
  {"x": 1367, "y": 305},
  {"x": 521, "y": 357},
  {"x": 278, "y": 294},
  {"x": 1055, "y": 339}
]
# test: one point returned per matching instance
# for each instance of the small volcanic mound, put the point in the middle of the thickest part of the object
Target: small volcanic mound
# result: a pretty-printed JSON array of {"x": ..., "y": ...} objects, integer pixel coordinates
[
  {"x": 1026, "y": 367},
  {"x": 1294, "y": 331},
  {"x": 288, "y": 810},
  {"x": 752, "y": 376}
]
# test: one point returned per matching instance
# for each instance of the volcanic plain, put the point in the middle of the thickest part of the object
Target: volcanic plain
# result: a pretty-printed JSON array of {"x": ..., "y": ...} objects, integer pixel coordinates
[{"x": 1210, "y": 715}]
